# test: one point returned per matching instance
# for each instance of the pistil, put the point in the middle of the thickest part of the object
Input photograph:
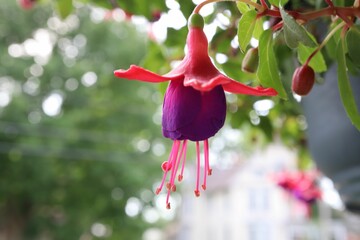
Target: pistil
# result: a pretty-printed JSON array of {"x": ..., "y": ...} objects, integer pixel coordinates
[{"x": 177, "y": 157}]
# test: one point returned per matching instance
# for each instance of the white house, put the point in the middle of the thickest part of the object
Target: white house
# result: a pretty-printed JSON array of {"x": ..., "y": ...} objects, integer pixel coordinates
[{"x": 243, "y": 203}]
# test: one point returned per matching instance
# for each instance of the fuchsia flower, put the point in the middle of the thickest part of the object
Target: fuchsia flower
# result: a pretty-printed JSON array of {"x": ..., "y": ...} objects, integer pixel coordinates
[
  {"x": 194, "y": 106},
  {"x": 302, "y": 185}
]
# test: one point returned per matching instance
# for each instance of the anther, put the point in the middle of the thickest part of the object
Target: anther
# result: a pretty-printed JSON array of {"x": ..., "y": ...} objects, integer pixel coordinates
[
  {"x": 197, "y": 193},
  {"x": 180, "y": 178}
]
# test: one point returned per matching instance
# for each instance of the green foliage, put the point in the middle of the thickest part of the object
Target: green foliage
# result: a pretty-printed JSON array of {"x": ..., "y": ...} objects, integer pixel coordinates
[
  {"x": 243, "y": 7},
  {"x": 268, "y": 73},
  {"x": 154, "y": 51},
  {"x": 64, "y": 7},
  {"x": 278, "y": 3},
  {"x": 295, "y": 33},
  {"x": 346, "y": 93},
  {"x": 333, "y": 42},
  {"x": 317, "y": 62},
  {"x": 258, "y": 30},
  {"x": 352, "y": 41},
  {"x": 246, "y": 28}
]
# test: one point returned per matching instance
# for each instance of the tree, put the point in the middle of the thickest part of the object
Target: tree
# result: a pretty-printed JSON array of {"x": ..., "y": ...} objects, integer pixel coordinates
[{"x": 75, "y": 143}]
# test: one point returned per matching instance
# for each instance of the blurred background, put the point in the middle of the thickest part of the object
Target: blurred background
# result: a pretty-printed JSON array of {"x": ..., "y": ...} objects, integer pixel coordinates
[{"x": 80, "y": 151}]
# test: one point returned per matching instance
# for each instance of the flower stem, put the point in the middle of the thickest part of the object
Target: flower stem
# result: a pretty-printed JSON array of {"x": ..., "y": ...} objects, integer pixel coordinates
[
  {"x": 263, "y": 3},
  {"x": 345, "y": 13},
  {"x": 277, "y": 26},
  {"x": 183, "y": 154},
  {"x": 206, "y": 168},
  {"x": 330, "y": 3},
  {"x": 327, "y": 38}
]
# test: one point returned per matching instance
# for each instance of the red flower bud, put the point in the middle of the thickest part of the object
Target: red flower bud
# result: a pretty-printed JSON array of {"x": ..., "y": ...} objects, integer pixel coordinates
[
  {"x": 251, "y": 61},
  {"x": 155, "y": 16},
  {"x": 303, "y": 80}
]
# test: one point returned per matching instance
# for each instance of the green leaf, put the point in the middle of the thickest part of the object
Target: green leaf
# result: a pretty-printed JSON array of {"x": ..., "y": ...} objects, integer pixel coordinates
[
  {"x": 352, "y": 41},
  {"x": 278, "y": 3},
  {"x": 258, "y": 30},
  {"x": 246, "y": 29},
  {"x": 295, "y": 33},
  {"x": 154, "y": 51},
  {"x": 220, "y": 41},
  {"x": 268, "y": 73},
  {"x": 176, "y": 38},
  {"x": 339, "y": 2},
  {"x": 231, "y": 68},
  {"x": 243, "y": 7},
  {"x": 317, "y": 62},
  {"x": 267, "y": 127},
  {"x": 331, "y": 45},
  {"x": 64, "y": 8},
  {"x": 346, "y": 93}
]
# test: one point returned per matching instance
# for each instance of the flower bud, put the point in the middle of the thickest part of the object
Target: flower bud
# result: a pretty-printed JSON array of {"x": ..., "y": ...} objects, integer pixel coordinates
[
  {"x": 303, "y": 80},
  {"x": 155, "y": 16},
  {"x": 251, "y": 61}
]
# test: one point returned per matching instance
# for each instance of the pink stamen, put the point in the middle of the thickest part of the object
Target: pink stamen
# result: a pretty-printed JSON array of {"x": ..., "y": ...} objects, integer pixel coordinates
[
  {"x": 206, "y": 169},
  {"x": 165, "y": 166},
  {"x": 178, "y": 154},
  {"x": 167, "y": 199},
  {"x": 176, "y": 166},
  {"x": 183, "y": 153},
  {"x": 174, "y": 157},
  {"x": 166, "y": 170},
  {"x": 197, "y": 192}
]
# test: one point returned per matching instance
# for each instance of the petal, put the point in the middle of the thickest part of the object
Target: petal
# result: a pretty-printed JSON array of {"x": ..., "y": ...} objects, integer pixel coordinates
[
  {"x": 211, "y": 117},
  {"x": 141, "y": 74},
  {"x": 191, "y": 114},
  {"x": 181, "y": 105},
  {"x": 229, "y": 85},
  {"x": 204, "y": 85},
  {"x": 233, "y": 86}
]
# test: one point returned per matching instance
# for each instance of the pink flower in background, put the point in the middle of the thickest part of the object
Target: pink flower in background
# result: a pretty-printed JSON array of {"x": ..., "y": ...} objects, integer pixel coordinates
[
  {"x": 301, "y": 185},
  {"x": 27, "y": 4},
  {"x": 194, "y": 105}
]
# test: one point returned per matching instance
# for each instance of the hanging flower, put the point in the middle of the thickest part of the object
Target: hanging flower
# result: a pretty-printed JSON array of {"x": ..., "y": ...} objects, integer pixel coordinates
[{"x": 194, "y": 105}]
